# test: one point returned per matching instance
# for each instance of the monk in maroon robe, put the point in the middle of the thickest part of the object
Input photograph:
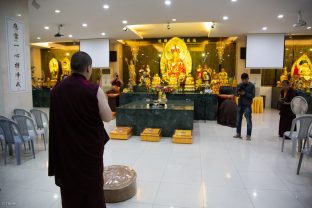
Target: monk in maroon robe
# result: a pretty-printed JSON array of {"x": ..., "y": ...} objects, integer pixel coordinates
[
  {"x": 286, "y": 115},
  {"x": 77, "y": 136}
]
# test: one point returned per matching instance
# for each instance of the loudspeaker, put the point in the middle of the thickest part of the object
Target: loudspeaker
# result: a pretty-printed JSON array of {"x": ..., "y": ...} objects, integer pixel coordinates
[
  {"x": 243, "y": 53},
  {"x": 112, "y": 56}
]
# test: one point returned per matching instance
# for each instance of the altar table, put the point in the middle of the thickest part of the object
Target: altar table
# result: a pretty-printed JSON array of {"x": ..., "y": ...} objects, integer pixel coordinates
[
  {"x": 178, "y": 115},
  {"x": 205, "y": 105}
]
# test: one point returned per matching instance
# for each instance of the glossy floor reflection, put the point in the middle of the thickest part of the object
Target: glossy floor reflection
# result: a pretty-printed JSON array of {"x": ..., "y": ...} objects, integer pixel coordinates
[{"x": 216, "y": 171}]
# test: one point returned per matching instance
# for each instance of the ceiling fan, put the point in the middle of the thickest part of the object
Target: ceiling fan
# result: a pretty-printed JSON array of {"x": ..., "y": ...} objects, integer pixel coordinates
[
  {"x": 301, "y": 22},
  {"x": 58, "y": 34}
]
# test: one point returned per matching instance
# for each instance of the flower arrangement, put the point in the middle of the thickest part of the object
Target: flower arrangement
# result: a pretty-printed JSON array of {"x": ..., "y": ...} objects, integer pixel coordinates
[{"x": 164, "y": 89}]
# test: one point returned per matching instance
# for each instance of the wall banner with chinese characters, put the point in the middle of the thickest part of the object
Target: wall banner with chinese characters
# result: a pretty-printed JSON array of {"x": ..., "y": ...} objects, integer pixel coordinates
[{"x": 16, "y": 55}]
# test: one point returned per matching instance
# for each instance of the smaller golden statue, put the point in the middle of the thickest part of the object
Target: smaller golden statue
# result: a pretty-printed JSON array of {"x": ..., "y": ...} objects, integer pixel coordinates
[
  {"x": 156, "y": 80},
  {"x": 173, "y": 82},
  {"x": 54, "y": 69},
  {"x": 206, "y": 77},
  {"x": 215, "y": 83},
  {"x": 132, "y": 74},
  {"x": 189, "y": 83},
  {"x": 199, "y": 84},
  {"x": 223, "y": 77}
]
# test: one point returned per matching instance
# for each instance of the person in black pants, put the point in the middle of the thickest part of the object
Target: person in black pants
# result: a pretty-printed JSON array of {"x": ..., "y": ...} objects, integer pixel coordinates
[{"x": 246, "y": 93}]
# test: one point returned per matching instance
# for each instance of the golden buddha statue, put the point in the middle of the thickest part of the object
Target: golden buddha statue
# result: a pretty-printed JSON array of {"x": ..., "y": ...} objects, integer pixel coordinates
[
  {"x": 223, "y": 77},
  {"x": 206, "y": 77},
  {"x": 176, "y": 65},
  {"x": 189, "y": 83},
  {"x": 132, "y": 74},
  {"x": 156, "y": 80},
  {"x": 54, "y": 69},
  {"x": 215, "y": 83},
  {"x": 175, "y": 61},
  {"x": 173, "y": 82},
  {"x": 66, "y": 66},
  {"x": 199, "y": 84},
  {"x": 199, "y": 72}
]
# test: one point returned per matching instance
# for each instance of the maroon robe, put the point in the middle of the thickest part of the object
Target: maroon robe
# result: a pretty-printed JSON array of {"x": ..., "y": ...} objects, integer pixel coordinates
[
  {"x": 77, "y": 136},
  {"x": 286, "y": 115}
]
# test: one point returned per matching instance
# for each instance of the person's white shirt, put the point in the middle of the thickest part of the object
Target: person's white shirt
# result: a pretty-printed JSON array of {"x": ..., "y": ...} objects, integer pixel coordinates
[{"x": 105, "y": 111}]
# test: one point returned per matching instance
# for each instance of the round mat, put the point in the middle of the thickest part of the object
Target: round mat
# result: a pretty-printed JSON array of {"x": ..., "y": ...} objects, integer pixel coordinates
[{"x": 119, "y": 183}]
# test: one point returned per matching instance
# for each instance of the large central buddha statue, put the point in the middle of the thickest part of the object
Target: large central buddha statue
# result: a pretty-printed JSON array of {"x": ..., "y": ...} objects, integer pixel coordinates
[
  {"x": 176, "y": 65},
  {"x": 175, "y": 61}
]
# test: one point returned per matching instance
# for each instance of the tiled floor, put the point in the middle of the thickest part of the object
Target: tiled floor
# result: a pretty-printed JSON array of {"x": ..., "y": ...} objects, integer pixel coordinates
[{"x": 216, "y": 171}]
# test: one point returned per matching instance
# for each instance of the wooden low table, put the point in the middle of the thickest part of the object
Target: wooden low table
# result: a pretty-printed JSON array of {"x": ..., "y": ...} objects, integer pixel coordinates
[{"x": 119, "y": 183}]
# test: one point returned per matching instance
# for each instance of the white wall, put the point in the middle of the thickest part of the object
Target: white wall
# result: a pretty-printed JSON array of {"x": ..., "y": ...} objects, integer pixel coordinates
[{"x": 8, "y": 100}]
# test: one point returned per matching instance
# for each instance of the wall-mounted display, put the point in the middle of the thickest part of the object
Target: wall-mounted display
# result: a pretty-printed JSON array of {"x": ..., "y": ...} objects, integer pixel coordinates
[{"x": 16, "y": 55}]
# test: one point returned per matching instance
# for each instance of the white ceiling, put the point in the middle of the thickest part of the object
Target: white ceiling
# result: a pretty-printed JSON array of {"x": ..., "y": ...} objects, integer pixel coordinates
[{"x": 245, "y": 16}]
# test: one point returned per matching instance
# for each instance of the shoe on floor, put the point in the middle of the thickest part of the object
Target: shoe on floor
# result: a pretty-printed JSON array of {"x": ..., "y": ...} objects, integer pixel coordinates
[
  {"x": 248, "y": 138},
  {"x": 237, "y": 136}
]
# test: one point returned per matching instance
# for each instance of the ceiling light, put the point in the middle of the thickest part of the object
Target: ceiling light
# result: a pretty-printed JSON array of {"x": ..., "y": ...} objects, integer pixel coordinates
[
  {"x": 103, "y": 34},
  {"x": 70, "y": 36},
  {"x": 264, "y": 28},
  {"x": 106, "y": 6},
  {"x": 280, "y": 16},
  {"x": 84, "y": 25},
  {"x": 124, "y": 22},
  {"x": 38, "y": 38},
  {"x": 19, "y": 15},
  {"x": 174, "y": 20},
  {"x": 46, "y": 27},
  {"x": 309, "y": 28},
  {"x": 225, "y": 17},
  {"x": 233, "y": 0},
  {"x": 168, "y": 3},
  {"x": 57, "y": 11}
]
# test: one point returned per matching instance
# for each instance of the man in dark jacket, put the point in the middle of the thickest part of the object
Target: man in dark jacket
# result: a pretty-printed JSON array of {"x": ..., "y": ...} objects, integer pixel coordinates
[
  {"x": 246, "y": 93},
  {"x": 77, "y": 136}
]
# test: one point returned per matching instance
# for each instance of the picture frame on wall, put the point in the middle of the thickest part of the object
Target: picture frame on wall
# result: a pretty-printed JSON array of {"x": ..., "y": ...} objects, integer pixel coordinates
[{"x": 15, "y": 36}]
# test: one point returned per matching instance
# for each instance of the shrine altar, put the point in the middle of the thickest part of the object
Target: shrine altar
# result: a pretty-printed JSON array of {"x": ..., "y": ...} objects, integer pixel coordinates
[
  {"x": 177, "y": 114},
  {"x": 205, "y": 105}
]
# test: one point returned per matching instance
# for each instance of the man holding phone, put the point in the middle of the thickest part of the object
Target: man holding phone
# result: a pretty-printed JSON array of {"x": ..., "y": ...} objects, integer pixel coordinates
[{"x": 246, "y": 93}]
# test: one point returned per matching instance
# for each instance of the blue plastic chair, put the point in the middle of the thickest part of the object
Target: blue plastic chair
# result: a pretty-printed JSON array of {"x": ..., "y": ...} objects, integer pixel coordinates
[
  {"x": 22, "y": 112},
  {"x": 13, "y": 136},
  {"x": 2, "y": 133},
  {"x": 42, "y": 122},
  {"x": 27, "y": 127}
]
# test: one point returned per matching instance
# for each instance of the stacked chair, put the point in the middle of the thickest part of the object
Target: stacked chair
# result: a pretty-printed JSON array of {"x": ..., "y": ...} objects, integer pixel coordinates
[
  {"x": 42, "y": 122},
  {"x": 22, "y": 130},
  {"x": 13, "y": 136}
]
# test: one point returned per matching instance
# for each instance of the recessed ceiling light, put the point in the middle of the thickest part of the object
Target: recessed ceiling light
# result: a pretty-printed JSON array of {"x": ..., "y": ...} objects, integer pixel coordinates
[
  {"x": 70, "y": 36},
  {"x": 46, "y": 27},
  {"x": 38, "y": 38},
  {"x": 264, "y": 28},
  {"x": 19, "y": 15},
  {"x": 57, "y": 11},
  {"x": 233, "y": 0},
  {"x": 280, "y": 16},
  {"x": 103, "y": 34},
  {"x": 84, "y": 25},
  {"x": 309, "y": 28},
  {"x": 124, "y": 22},
  {"x": 225, "y": 17},
  {"x": 174, "y": 20},
  {"x": 106, "y": 6},
  {"x": 168, "y": 2}
]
